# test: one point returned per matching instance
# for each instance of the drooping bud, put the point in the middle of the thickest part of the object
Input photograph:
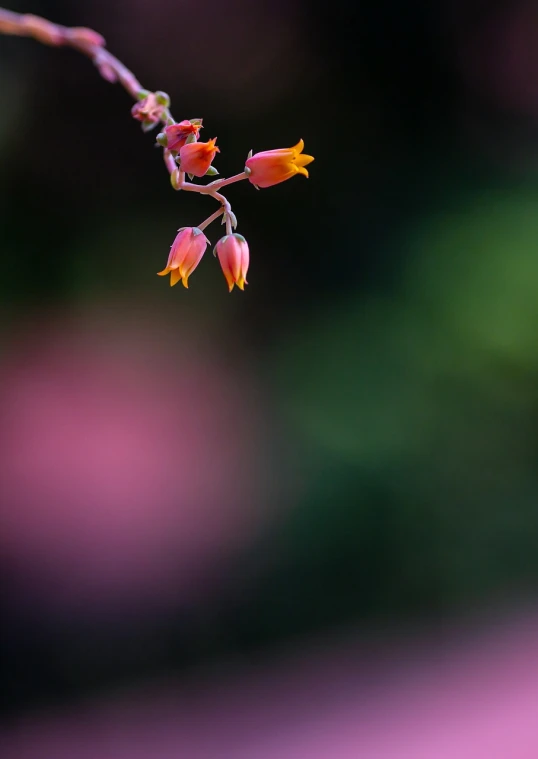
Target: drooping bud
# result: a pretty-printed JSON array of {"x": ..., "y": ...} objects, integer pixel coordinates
[
  {"x": 185, "y": 255},
  {"x": 233, "y": 254}
]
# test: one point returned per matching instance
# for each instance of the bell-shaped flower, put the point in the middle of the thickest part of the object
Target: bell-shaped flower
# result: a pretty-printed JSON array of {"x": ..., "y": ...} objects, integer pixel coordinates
[
  {"x": 274, "y": 166},
  {"x": 196, "y": 157},
  {"x": 233, "y": 255},
  {"x": 185, "y": 255}
]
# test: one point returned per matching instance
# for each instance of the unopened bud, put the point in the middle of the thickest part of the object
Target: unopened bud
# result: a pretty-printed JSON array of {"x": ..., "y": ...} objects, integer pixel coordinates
[
  {"x": 141, "y": 94},
  {"x": 107, "y": 72},
  {"x": 233, "y": 254},
  {"x": 148, "y": 111},
  {"x": 162, "y": 139}
]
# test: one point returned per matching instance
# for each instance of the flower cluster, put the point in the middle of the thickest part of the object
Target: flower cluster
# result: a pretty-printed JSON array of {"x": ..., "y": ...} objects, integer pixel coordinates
[{"x": 184, "y": 153}]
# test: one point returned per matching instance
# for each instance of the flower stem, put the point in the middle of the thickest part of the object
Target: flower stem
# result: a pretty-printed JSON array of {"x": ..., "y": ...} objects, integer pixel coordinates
[
  {"x": 211, "y": 219},
  {"x": 169, "y": 161},
  {"x": 92, "y": 44},
  {"x": 218, "y": 183},
  {"x": 86, "y": 41}
]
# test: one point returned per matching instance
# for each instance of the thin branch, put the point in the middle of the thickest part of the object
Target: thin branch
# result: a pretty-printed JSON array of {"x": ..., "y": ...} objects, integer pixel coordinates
[{"x": 86, "y": 41}]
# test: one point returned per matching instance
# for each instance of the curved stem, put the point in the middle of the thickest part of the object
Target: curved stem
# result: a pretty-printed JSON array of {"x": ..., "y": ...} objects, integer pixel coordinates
[
  {"x": 92, "y": 44},
  {"x": 84, "y": 40}
]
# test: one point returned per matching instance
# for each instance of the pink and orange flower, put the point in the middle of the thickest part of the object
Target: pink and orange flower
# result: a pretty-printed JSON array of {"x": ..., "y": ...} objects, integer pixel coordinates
[
  {"x": 197, "y": 157},
  {"x": 232, "y": 251},
  {"x": 185, "y": 255},
  {"x": 178, "y": 134},
  {"x": 148, "y": 109},
  {"x": 274, "y": 166}
]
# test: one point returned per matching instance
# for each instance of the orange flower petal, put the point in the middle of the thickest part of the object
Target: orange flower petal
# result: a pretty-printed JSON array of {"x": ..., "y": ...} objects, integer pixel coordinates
[{"x": 175, "y": 276}]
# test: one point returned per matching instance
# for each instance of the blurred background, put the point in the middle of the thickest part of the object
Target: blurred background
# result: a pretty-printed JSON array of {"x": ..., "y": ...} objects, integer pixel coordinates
[{"x": 214, "y": 501}]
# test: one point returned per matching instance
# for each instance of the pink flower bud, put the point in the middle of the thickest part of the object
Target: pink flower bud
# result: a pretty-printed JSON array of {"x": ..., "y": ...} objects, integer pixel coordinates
[
  {"x": 177, "y": 134},
  {"x": 185, "y": 255},
  {"x": 274, "y": 166},
  {"x": 233, "y": 254},
  {"x": 148, "y": 110},
  {"x": 108, "y": 73},
  {"x": 196, "y": 157}
]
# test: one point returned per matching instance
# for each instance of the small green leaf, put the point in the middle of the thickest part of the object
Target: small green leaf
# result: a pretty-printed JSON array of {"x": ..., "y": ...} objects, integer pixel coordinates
[{"x": 162, "y": 98}]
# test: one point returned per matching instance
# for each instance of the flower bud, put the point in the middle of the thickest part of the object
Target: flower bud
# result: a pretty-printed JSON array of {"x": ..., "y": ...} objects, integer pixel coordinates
[
  {"x": 174, "y": 179},
  {"x": 106, "y": 71},
  {"x": 185, "y": 255},
  {"x": 178, "y": 134},
  {"x": 196, "y": 158},
  {"x": 148, "y": 110},
  {"x": 233, "y": 254}
]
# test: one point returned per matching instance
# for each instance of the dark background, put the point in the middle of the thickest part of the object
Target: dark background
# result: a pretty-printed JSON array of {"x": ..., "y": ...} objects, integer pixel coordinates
[{"x": 378, "y": 379}]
